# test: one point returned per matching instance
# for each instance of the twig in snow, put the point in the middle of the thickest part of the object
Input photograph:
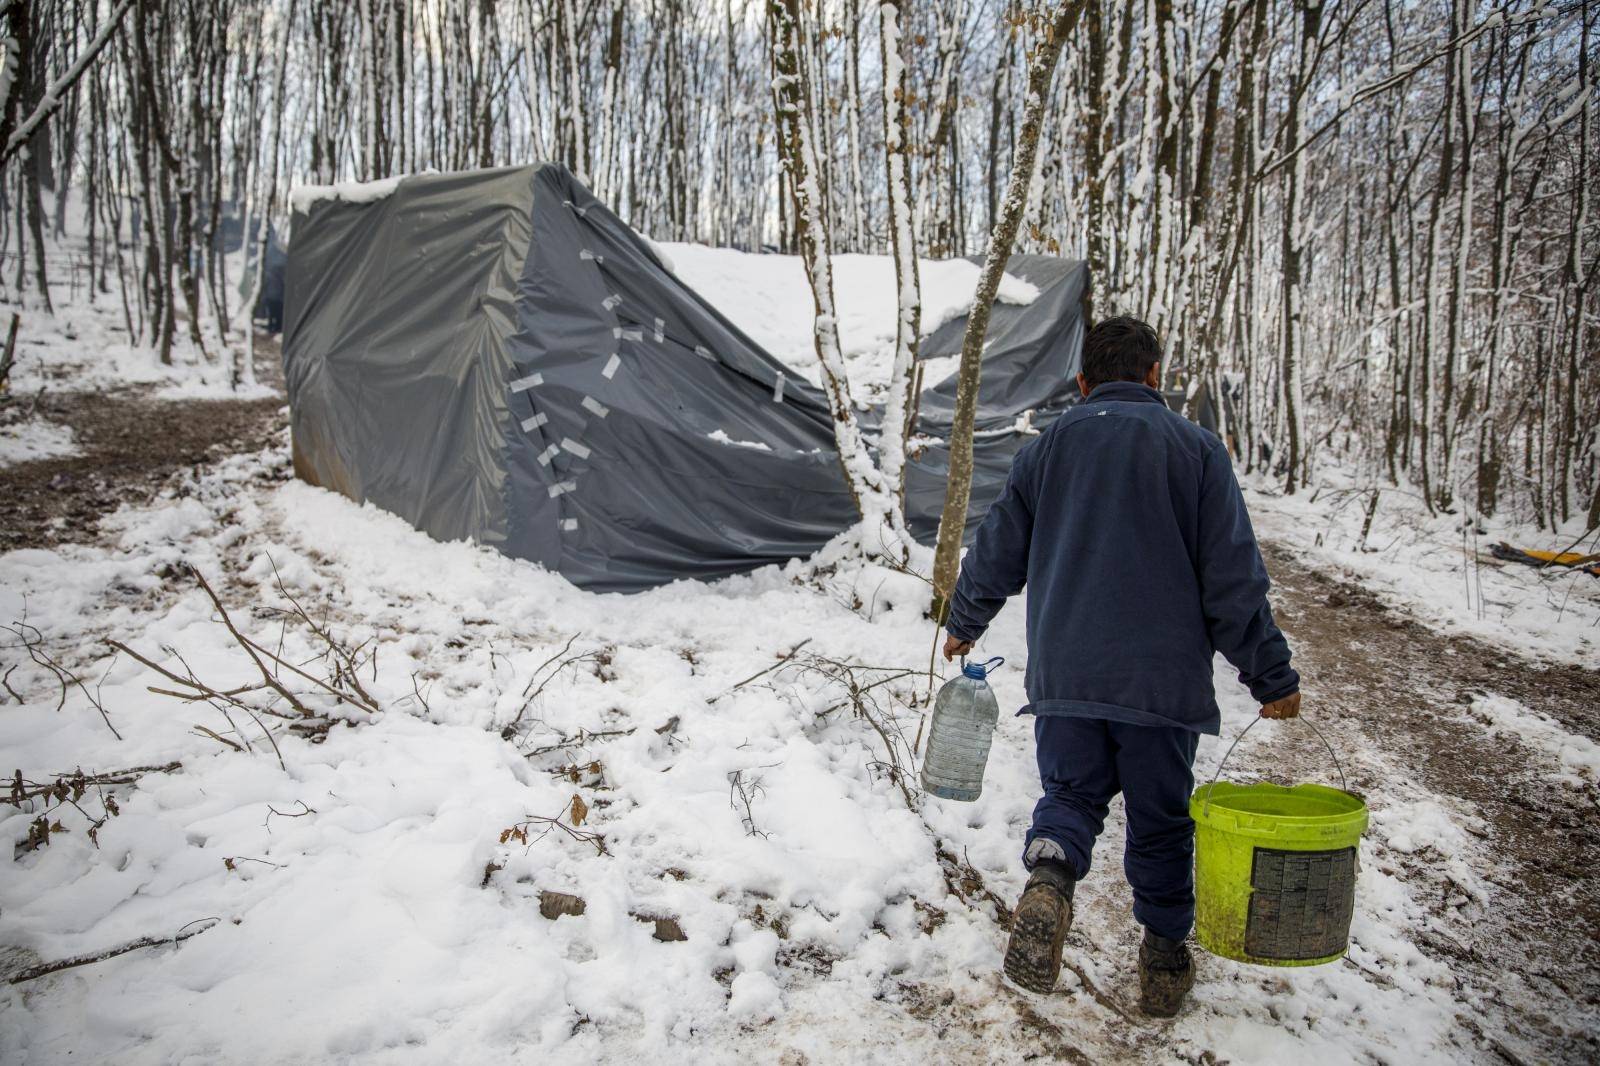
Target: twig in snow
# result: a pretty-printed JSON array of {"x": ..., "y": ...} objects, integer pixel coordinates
[
  {"x": 222, "y": 700},
  {"x": 583, "y": 737},
  {"x": 782, "y": 660},
  {"x": 23, "y": 790},
  {"x": 275, "y": 672},
  {"x": 66, "y": 791},
  {"x": 899, "y": 566},
  {"x": 742, "y": 792},
  {"x": 231, "y": 862},
  {"x": 6, "y": 681},
  {"x": 346, "y": 659},
  {"x": 219, "y": 738},
  {"x": 45, "y": 968},
  {"x": 426, "y": 709},
  {"x": 301, "y": 813},
  {"x": 536, "y": 684},
  {"x": 519, "y": 832},
  {"x": 249, "y": 648},
  {"x": 33, "y": 641},
  {"x": 860, "y": 694}
]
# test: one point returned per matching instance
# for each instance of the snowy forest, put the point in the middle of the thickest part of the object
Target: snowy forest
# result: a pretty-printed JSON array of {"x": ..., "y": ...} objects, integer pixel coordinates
[
  {"x": 1369, "y": 226},
  {"x": 483, "y": 485}
]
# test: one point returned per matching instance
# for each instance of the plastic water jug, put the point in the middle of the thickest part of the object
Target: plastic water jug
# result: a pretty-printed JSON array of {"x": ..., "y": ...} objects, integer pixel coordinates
[{"x": 964, "y": 716}]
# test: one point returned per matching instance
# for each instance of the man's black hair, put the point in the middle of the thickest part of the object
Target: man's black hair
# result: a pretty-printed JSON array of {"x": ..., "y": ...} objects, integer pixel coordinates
[{"x": 1119, "y": 349}]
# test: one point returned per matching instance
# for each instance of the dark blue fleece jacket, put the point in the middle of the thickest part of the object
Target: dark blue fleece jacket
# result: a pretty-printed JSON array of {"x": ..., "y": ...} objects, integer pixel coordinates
[{"x": 1127, "y": 526}]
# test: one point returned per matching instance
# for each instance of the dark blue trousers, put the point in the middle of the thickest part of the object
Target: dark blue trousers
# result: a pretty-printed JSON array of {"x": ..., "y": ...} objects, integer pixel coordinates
[{"x": 1083, "y": 763}]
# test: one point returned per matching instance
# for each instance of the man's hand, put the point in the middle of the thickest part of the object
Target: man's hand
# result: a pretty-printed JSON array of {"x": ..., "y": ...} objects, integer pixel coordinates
[
  {"x": 1288, "y": 707},
  {"x": 954, "y": 646}
]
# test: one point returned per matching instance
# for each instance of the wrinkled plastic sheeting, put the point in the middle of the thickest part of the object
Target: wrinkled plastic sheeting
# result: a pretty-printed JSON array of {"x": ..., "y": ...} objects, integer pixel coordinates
[
  {"x": 658, "y": 444},
  {"x": 1031, "y": 352},
  {"x": 496, "y": 356},
  {"x": 398, "y": 316}
]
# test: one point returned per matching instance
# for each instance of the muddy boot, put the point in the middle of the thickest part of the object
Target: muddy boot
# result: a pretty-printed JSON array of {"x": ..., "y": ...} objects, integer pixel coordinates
[
  {"x": 1166, "y": 973},
  {"x": 1038, "y": 926}
]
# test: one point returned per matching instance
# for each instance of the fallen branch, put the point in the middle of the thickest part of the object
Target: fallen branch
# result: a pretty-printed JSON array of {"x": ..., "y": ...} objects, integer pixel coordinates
[
  {"x": 34, "y": 645},
  {"x": 782, "y": 659},
  {"x": 23, "y": 790},
  {"x": 359, "y": 697},
  {"x": 530, "y": 693},
  {"x": 250, "y": 648},
  {"x": 583, "y": 737},
  {"x": 345, "y": 658},
  {"x": 45, "y": 968},
  {"x": 221, "y": 700},
  {"x": 275, "y": 672},
  {"x": 301, "y": 813},
  {"x": 519, "y": 832}
]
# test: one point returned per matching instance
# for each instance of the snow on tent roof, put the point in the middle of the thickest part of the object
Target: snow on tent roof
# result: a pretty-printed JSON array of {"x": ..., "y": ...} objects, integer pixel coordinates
[{"x": 494, "y": 355}]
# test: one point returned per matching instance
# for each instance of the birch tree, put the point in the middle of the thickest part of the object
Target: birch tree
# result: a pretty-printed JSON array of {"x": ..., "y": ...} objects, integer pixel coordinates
[
  {"x": 958, "y": 488},
  {"x": 900, "y": 411},
  {"x": 874, "y": 494}
]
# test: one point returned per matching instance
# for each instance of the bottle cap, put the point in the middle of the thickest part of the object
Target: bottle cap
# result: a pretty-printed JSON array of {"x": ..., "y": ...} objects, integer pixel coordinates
[{"x": 980, "y": 671}]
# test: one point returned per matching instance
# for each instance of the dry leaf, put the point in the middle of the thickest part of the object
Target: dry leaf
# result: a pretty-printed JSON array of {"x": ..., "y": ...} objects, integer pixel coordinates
[{"x": 580, "y": 810}]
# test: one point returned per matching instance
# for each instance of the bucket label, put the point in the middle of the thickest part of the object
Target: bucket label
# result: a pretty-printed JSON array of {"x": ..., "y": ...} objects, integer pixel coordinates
[{"x": 1301, "y": 903}]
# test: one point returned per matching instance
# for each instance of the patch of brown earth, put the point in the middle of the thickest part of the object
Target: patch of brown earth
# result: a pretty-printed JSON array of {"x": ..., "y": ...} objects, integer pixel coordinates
[
  {"x": 1530, "y": 960},
  {"x": 130, "y": 444}
]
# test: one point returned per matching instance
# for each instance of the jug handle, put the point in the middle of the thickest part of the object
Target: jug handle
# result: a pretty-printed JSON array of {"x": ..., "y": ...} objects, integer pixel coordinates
[{"x": 1343, "y": 786}]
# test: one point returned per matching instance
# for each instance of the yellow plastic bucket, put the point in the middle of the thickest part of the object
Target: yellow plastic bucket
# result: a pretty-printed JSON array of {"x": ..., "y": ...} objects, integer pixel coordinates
[{"x": 1275, "y": 870}]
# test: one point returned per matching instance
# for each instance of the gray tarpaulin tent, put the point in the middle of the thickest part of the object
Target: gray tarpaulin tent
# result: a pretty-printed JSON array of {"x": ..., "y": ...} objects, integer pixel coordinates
[{"x": 496, "y": 355}]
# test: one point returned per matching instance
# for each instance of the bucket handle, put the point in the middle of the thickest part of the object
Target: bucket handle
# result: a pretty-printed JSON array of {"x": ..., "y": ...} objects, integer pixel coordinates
[{"x": 1229, "y": 754}]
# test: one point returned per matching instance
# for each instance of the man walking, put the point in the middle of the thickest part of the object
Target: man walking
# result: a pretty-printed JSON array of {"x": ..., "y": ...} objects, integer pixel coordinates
[{"x": 1125, "y": 523}]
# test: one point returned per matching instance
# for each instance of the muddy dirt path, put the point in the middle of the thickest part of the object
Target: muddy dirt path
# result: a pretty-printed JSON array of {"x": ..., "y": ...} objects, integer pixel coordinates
[
  {"x": 130, "y": 443},
  {"x": 1402, "y": 701}
]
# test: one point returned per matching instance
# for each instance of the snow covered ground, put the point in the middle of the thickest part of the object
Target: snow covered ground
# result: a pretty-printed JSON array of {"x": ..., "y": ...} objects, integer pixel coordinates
[
  {"x": 363, "y": 882},
  {"x": 364, "y": 886},
  {"x": 1439, "y": 567},
  {"x": 29, "y": 440},
  {"x": 83, "y": 345},
  {"x": 768, "y": 298},
  {"x": 85, "y": 348}
]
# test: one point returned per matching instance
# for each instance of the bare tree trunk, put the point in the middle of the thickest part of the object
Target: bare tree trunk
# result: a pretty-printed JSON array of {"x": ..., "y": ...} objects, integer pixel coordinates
[
  {"x": 247, "y": 373},
  {"x": 1289, "y": 368},
  {"x": 858, "y": 202},
  {"x": 899, "y": 410},
  {"x": 874, "y": 496},
  {"x": 580, "y": 130},
  {"x": 958, "y": 488},
  {"x": 606, "y": 161}
]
